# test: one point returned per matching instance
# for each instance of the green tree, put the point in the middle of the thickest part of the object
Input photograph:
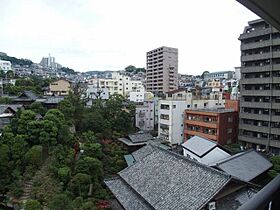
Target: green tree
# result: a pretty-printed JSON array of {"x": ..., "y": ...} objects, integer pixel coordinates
[
  {"x": 34, "y": 156},
  {"x": 26, "y": 117},
  {"x": 91, "y": 166},
  {"x": 60, "y": 202},
  {"x": 64, "y": 174},
  {"x": 33, "y": 205},
  {"x": 38, "y": 108},
  {"x": 275, "y": 160},
  {"x": 4, "y": 168},
  {"x": 79, "y": 185}
]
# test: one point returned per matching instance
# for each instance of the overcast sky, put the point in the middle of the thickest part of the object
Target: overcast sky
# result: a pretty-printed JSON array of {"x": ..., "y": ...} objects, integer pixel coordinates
[{"x": 112, "y": 34}]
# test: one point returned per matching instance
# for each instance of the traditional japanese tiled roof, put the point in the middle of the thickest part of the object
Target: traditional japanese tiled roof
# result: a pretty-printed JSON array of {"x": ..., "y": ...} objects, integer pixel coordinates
[
  {"x": 245, "y": 166},
  {"x": 166, "y": 180},
  {"x": 143, "y": 152},
  {"x": 140, "y": 137},
  {"x": 13, "y": 107}
]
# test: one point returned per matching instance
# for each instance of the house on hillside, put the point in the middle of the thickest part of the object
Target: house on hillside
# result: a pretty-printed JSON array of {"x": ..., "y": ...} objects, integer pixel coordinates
[
  {"x": 165, "y": 180},
  {"x": 26, "y": 98},
  {"x": 7, "y": 112},
  {"x": 58, "y": 88},
  {"x": 204, "y": 151}
]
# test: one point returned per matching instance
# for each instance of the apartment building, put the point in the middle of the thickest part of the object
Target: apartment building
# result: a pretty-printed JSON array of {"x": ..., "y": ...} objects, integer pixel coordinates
[
  {"x": 259, "y": 124},
  {"x": 220, "y": 125},
  {"x": 162, "y": 70},
  {"x": 118, "y": 84},
  {"x": 171, "y": 113},
  {"x": 59, "y": 88},
  {"x": 145, "y": 115}
]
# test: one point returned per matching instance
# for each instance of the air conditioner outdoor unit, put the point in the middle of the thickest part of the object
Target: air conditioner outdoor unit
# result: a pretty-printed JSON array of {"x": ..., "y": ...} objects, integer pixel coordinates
[{"x": 212, "y": 206}]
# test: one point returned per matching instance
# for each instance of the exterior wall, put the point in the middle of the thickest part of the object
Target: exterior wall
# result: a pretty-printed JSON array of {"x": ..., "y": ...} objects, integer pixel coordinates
[
  {"x": 219, "y": 75},
  {"x": 60, "y": 88},
  {"x": 144, "y": 116},
  {"x": 93, "y": 92},
  {"x": 213, "y": 156},
  {"x": 140, "y": 96},
  {"x": 260, "y": 87},
  {"x": 170, "y": 121},
  {"x": 220, "y": 127},
  {"x": 162, "y": 70},
  {"x": 5, "y": 65},
  {"x": 232, "y": 104}
]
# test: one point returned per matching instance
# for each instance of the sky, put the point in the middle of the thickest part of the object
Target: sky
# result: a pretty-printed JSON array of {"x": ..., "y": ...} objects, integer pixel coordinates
[{"x": 111, "y": 34}]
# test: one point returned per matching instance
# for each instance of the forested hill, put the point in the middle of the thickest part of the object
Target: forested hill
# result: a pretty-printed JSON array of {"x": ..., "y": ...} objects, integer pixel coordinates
[{"x": 14, "y": 60}]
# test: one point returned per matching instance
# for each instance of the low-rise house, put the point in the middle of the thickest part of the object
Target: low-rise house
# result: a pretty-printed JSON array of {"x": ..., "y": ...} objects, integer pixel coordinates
[
  {"x": 59, "y": 88},
  {"x": 26, "y": 98},
  {"x": 137, "y": 139},
  {"x": 204, "y": 151},
  {"x": 246, "y": 165},
  {"x": 7, "y": 112},
  {"x": 165, "y": 180}
]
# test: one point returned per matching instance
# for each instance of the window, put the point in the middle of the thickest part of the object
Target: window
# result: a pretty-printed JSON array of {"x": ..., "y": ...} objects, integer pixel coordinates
[
  {"x": 229, "y": 130},
  {"x": 230, "y": 119},
  {"x": 174, "y": 106}
]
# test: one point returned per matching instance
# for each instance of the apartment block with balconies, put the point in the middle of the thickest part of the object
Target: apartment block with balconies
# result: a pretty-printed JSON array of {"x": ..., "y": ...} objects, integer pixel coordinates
[
  {"x": 259, "y": 124},
  {"x": 220, "y": 125},
  {"x": 162, "y": 70}
]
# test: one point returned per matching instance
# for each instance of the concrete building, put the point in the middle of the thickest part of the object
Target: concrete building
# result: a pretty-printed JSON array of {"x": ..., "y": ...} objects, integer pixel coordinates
[
  {"x": 162, "y": 70},
  {"x": 219, "y": 75},
  {"x": 260, "y": 87},
  {"x": 5, "y": 66},
  {"x": 59, "y": 88},
  {"x": 220, "y": 125},
  {"x": 118, "y": 84},
  {"x": 140, "y": 97},
  {"x": 145, "y": 115}
]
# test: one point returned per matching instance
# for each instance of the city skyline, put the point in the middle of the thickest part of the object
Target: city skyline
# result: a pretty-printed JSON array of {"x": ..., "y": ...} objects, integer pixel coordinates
[{"x": 91, "y": 35}]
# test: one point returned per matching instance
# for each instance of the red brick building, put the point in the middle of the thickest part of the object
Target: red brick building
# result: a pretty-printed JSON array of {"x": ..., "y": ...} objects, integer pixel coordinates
[{"x": 219, "y": 125}]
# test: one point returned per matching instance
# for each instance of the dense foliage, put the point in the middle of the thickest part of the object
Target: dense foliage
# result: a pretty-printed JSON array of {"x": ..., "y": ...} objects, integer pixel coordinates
[
  {"x": 66, "y": 154},
  {"x": 16, "y": 61}
]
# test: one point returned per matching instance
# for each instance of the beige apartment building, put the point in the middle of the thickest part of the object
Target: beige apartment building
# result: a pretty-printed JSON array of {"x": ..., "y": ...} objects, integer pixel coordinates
[
  {"x": 162, "y": 70},
  {"x": 59, "y": 88}
]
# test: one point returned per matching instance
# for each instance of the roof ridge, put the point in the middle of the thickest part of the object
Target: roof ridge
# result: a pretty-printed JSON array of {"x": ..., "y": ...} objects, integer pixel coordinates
[{"x": 234, "y": 156}]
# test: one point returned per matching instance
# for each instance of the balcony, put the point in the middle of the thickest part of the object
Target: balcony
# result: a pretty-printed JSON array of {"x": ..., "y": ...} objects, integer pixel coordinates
[
  {"x": 201, "y": 123},
  {"x": 253, "y": 104},
  {"x": 255, "y": 128},
  {"x": 275, "y": 131},
  {"x": 252, "y": 69},
  {"x": 276, "y": 67},
  {"x": 265, "y": 80},
  {"x": 254, "y": 57},
  {"x": 255, "y": 140},
  {"x": 275, "y": 118},
  {"x": 254, "y": 116},
  {"x": 255, "y": 33},
  {"x": 256, "y": 93},
  {"x": 198, "y": 133},
  {"x": 256, "y": 45},
  {"x": 275, "y": 92}
]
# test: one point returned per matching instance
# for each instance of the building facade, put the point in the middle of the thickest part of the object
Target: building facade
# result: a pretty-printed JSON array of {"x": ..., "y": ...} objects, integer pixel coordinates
[
  {"x": 162, "y": 70},
  {"x": 59, "y": 88},
  {"x": 144, "y": 116},
  {"x": 219, "y": 75},
  {"x": 259, "y": 124},
  {"x": 220, "y": 125},
  {"x": 5, "y": 66}
]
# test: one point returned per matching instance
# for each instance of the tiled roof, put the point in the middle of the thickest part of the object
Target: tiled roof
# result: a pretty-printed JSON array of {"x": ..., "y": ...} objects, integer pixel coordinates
[
  {"x": 166, "y": 180},
  {"x": 245, "y": 166},
  {"x": 14, "y": 107},
  {"x": 236, "y": 199},
  {"x": 30, "y": 94},
  {"x": 125, "y": 195},
  {"x": 143, "y": 152},
  {"x": 129, "y": 159},
  {"x": 198, "y": 145},
  {"x": 140, "y": 137}
]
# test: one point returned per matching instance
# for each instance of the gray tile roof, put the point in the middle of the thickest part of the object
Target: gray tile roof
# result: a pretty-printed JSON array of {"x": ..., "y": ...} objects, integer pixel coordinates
[
  {"x": 129, "y": 159},
  {"x": 245, "y": 166},
  {"x": 125, "y": 195},
  {"x": 198, "y": 145},
  {"x": 14, "y": 107},
  {"x": 167, "y": 180},
  {"x": 140, "y": 137},
  {"x": 29, "y": 94},
  {"x": 236, "y": 199},
  {"x": 53, "y": 100},
  {"x": 143, "y": 152}
]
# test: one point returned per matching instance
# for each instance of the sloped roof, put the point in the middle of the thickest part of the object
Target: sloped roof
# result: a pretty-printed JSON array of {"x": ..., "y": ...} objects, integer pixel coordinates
[
  {"x": 28, "y": 94},
  {"x": 14, "y": 107},
  {"x": 245, "y": 166},
  {"x": 143, "y": 152},
  {"x": 198, "y": 145},
  {"x": 140, "y": 137},
  {"x": 166, "y": 180}
]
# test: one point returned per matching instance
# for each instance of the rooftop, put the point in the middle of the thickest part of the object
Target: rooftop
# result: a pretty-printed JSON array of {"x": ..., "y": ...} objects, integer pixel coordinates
[
  {"x": 245, "y": 166},
  {"x": 166, "y": 180}
]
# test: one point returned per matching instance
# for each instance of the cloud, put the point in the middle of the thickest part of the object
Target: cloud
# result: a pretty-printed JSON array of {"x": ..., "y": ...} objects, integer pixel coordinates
[{"x": 109, "y": 34}]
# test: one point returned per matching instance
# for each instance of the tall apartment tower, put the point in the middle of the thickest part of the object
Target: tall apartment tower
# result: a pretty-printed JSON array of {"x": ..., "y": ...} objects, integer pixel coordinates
[
  {"x": 162, "y": 70},
  {"x": 259, "y": 123}
]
